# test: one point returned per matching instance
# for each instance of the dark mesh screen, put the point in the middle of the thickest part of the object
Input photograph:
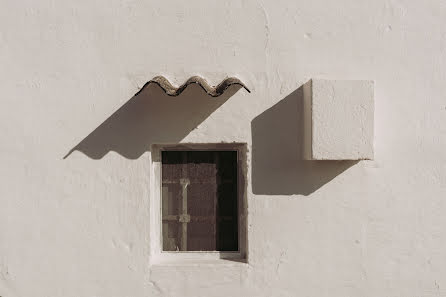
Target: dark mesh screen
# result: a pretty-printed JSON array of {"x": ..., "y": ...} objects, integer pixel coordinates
[{"x": 199, "y": 201}]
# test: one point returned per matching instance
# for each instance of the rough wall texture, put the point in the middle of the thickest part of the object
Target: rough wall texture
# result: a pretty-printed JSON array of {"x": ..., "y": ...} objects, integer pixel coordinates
[{"x": 79, "y": 226}]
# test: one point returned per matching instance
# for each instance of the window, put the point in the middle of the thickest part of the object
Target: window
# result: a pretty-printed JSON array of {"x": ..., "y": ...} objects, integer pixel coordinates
[
  {"x": 198, "y": 210},
  {"x": 199, "y": 201}
]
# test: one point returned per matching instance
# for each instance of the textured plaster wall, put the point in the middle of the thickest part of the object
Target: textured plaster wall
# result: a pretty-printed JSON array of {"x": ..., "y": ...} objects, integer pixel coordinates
[{"x": 79, "y": 226}]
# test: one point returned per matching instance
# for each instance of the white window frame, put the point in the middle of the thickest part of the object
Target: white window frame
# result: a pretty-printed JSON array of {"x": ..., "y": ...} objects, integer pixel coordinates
[{"x": 157, "y": 255}]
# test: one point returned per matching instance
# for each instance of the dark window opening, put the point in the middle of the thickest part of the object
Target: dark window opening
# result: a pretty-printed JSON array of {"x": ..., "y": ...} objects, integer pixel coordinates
[{"x": 199, "y": 201}]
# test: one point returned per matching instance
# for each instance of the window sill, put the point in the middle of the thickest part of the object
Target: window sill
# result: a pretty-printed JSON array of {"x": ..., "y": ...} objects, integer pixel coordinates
[{"x": 198, "y": 259}]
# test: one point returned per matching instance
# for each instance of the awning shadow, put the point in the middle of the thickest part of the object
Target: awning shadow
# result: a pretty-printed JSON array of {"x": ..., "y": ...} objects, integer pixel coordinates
[
  {"x": 151, "y": 117},
  {"x": 277, "y": 149}
]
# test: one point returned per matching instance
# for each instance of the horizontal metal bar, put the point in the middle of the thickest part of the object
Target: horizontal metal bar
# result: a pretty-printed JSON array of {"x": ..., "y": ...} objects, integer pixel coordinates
[{"x": 176, "y": 218}]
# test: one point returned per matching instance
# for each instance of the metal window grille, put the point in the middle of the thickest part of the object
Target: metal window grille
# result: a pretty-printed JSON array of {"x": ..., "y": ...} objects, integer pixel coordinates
[{"x": 199, "y": 201}]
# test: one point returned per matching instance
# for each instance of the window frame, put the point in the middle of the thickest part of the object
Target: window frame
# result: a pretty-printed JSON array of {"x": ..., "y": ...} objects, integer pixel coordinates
[{"x": 155, "y": 201}]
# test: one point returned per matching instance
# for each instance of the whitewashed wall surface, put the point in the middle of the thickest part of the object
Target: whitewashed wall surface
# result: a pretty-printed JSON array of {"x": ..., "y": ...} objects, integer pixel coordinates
[{"x": 75, "y": 161}]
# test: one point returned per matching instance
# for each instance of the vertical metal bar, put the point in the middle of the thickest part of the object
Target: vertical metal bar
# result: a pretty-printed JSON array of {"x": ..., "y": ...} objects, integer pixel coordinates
[
  {"x": 184, "y": 183},
  {"x": 217, "y": 184},
  {"x": 165, "y": 211},
  {"x": 184, "y": 221}
]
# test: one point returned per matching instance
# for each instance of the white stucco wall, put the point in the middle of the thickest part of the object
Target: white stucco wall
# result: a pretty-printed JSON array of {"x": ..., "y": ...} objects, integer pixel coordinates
[{"x": 80, "y": 226}]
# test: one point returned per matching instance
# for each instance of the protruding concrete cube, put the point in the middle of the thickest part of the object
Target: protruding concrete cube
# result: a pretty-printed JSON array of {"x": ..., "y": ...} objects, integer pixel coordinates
[{"x": 338, "y": 120}]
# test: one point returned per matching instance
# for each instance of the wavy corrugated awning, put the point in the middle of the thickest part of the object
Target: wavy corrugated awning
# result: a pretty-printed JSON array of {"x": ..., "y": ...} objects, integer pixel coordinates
[{"x": 216, "y": 91}]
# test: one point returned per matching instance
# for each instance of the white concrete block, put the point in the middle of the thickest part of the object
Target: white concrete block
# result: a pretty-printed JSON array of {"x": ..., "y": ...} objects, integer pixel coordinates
[{"x": 338, "y": 119}]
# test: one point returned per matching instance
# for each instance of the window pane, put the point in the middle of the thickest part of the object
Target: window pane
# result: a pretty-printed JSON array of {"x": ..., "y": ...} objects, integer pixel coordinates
[{"x": 199, "y": 200}]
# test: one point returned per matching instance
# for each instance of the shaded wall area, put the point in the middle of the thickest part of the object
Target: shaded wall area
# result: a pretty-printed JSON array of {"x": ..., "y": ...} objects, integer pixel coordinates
[
  {"x": 278, "y": 167},
  {"x": 151, "y": 117}
]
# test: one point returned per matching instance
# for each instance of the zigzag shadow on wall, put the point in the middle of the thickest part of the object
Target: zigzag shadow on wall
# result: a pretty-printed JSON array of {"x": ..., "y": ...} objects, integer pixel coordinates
[
  {"x": 277, "y": 148},
  {"x": 151, "y": 117}
]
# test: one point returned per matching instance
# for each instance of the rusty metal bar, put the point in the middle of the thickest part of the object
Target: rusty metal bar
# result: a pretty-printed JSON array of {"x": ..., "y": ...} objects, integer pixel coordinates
[{"x": 184, "y": 218}]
